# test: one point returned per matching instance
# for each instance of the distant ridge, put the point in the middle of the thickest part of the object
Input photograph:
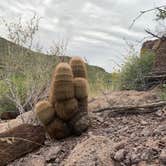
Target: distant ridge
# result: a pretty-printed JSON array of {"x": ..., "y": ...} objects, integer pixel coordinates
[{"x": 9, "y": 48}]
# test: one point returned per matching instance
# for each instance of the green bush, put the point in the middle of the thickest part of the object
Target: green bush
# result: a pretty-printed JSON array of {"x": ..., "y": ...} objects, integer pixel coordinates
[
  {"x": 98, "y": 80},
  {"x": 134, "y": 70}
]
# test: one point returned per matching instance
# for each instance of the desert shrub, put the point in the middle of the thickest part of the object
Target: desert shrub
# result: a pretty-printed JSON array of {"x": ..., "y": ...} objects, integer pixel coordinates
[
  {"x": 26, "y": 84},
  {"x": 6, "y": 105},
  {"x": 134, "y": 70},
  {"x": 115, "y": 80},
  {"x": 98, "y": 80},
  {"x": 25, "y": 74},
  {"x": 99, "y": 85}
]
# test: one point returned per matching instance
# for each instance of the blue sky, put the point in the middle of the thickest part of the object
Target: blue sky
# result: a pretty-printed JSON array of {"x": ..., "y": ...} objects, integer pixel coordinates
[{"x": 95, "y": 29}]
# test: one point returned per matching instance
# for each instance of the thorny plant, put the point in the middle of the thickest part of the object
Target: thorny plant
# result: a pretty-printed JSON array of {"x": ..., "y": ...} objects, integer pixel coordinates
[{"x": 26, "y": 74}]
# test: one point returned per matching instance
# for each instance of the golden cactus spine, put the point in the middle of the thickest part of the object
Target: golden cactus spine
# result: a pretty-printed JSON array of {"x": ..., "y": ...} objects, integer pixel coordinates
[
  {"x": 81, "y": 121},
  {"x": 66, "y": 109},
  {"x": 62, "y": 87},
  {"x": 78, "y": 67},
  {"x": 62, "y": 92}
]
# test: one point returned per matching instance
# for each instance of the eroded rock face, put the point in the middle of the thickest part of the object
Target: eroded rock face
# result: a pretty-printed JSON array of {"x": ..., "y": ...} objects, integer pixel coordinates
[
  {"x": 158, "y": 47},
  {"x": 96, "y": 150},
  {"x": 160, "y": 62},
  {"x": 148, "y": 46}
]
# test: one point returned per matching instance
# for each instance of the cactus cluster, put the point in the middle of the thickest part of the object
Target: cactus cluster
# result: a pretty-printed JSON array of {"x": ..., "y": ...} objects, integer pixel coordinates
[{"x": 65, "y": 112}]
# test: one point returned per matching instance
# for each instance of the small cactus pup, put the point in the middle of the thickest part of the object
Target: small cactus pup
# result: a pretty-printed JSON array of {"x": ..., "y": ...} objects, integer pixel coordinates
[
  {"x": 78, "y": 67},
  {"x": 57, "y": 129},
  {"x": 62, "y": 87},
  {"x": 66, "y": 109},
  {"x": 44, "y": 111}
]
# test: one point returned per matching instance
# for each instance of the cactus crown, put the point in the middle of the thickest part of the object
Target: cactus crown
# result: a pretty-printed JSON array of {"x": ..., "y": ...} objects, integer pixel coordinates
[
  {"x": 63, "y": 68},
  {"x": 62, "y": 87},
  {"x": 78, "y": 67}
]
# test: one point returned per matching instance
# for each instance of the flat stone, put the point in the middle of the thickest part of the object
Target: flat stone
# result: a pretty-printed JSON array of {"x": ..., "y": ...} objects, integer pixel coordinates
[
  {"x": 163, "y": 156},
  {"x": 52, "y": 153},
  {"x": 145, "y": 132},
  {"x": 119, "y": 155}
]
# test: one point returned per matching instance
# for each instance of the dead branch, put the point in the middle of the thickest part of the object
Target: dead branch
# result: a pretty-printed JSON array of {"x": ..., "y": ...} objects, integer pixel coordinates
[
  {"x": 134, "y": 109},
  {"x": 143, "y": 12},
  {"x": 152, "y": 34}
]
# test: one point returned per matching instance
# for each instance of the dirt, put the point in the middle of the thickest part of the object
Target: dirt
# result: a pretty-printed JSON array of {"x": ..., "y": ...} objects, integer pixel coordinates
[{"x": 139, "y": 140}]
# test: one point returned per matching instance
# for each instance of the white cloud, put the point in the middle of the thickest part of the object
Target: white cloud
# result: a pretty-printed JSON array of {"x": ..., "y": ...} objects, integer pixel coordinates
[{"x": 95, "y": 29}]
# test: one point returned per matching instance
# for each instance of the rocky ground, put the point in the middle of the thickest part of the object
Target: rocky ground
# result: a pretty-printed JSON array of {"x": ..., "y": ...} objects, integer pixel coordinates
[{"x": 117, "y": 140}]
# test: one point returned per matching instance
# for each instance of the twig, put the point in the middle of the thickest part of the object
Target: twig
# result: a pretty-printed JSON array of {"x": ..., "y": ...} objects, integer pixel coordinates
[
  {"x": 130, "y": 108},
  {"x": 152, "y": 34},
  {"x": 143, "y": 12}
]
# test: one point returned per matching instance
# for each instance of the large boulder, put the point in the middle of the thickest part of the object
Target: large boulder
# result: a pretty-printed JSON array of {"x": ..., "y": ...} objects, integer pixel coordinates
[
  {"x": 20, "y": 140},
  {"x": 96, "y": 150},
  {"x": 158, "y": 47}
]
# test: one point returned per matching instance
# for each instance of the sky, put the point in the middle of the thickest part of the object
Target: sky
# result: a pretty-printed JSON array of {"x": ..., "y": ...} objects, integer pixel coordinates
[{"x": 97, "y": 30}]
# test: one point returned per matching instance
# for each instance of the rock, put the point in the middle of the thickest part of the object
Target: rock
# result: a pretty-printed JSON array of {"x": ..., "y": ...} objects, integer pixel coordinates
[
  {"x": 145, "y": 132},
  {"x": 95, "y": 150},
  {"x": 20, "y": 141},
  {"x": 149, "y": 154},
  {"x": 133, "y": 135},
  {"x": 9, "y": 115},
  {"x": 160, "y": 130},
  {"x": 37, "y": 161},
  {"x": 120, "y": 145},
  {"x": 119, "y": 155},
  {"x": 51, "y": 154},
  {"x": 142, "y": 163},
  {"x": 143, "y": 122},
  {"x": 163, "y": 157},
  {"x": 29, "y": 117},
  {"x": 135, "y": 158},
  {"x": 151, "y": 143},
  {"x": 159, "y": 113}
]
